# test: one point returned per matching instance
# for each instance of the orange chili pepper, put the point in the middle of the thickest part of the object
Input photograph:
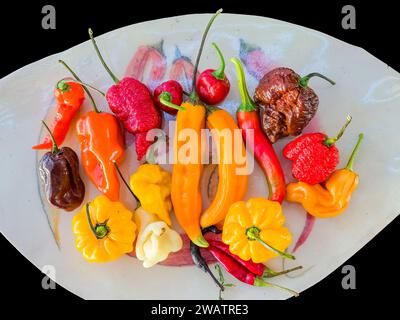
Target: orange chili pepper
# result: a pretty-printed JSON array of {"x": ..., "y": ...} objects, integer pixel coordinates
[
  {"x": 232, "y": 185},
  {"x": 100, "y": 137}
]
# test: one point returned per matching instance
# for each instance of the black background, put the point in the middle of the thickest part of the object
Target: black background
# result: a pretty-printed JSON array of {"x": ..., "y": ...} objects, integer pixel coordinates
[{"x": 24, "y": 41}]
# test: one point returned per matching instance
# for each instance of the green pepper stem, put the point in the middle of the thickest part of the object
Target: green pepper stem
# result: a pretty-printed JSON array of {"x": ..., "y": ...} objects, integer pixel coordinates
[
  {"x": 127, "y": 185},
  {"x": 220, "y": 72},
  {"x": 303, "y": 82},
  {"x": 55, "y": 148},
  {"x": 84, "y": 87},
  {"x": 196, "y": 65},
  {"x": 96, "y": 48},
  {"x": 269, "y": 273},
  {"x": 261, "y": 283},
  {"x": 350, "y": 163},
  {"x": 90, "y": 220},
  {"x": 253, "y": 233},
  {"x": 165, "y": 98},
  {"x": 63, "y": 86},
  {"x": 247, "y": 102},
  {"x": 330, "y": 141},
  {"x": 89, "y": 86}
]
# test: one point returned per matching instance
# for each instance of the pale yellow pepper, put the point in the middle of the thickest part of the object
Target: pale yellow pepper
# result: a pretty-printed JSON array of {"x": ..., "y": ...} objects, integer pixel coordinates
[
  {"x": 152, "y": 185},
  {"x": 103, "y": 230},
  {"x": 156, "y": 240}
]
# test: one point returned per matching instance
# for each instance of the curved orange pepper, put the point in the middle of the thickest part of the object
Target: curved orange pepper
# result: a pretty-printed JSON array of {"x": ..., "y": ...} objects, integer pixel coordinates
[
  {"x": 329, "y": 200},
  {"x": 232, "y": 186},
  {"x": 102, "y": 144}
]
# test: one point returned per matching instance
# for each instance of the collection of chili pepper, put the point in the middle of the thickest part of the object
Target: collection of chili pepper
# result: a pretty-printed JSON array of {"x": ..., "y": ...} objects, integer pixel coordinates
[{"x": 253, "y": 231}]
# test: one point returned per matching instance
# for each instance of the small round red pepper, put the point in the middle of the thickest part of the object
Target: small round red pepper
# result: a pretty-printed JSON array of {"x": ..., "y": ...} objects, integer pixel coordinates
[
  {"x": 212, "y": 85},
  {"x": 170, "y": 91}
]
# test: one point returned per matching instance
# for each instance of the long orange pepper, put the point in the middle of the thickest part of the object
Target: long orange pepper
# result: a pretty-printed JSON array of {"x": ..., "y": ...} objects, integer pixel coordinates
[
  {"x": 102, "y": 144},
  {"x": 232, "y": 185}
]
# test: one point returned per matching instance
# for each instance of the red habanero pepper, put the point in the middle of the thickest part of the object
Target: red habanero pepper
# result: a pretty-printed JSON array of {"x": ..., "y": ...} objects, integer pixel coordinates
[
  {"x": 314, "y": 155},
  {"x": 249, "y": 121},
  {"x": 240, "y": 272},
  {"x": 69, "y": 96},
  {"x": 132, "y": 103},
  {"x": 212, "y": 85}
]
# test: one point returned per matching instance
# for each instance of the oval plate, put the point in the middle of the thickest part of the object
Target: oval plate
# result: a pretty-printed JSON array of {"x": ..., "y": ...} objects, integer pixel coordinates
[{"x": 366, "y": 88}]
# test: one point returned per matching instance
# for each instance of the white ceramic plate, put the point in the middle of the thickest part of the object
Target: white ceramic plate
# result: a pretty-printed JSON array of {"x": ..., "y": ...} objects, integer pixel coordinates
[{"x": 366, "y": 88}]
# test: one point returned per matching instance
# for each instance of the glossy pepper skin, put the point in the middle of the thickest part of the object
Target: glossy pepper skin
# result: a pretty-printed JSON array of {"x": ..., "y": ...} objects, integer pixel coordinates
[
  {"x": 69, "y": 96},
  {"x": 314, "y": 156},
  {"x": 170, "y": 90},
  {"x": 152, "y": 185},
  {"x": 286, "y": 102},
  {"x": 240, "y": 272},
  {"x": 331, "y": 199},
  {"x": 132, "y": 103},
  {"x": 212, "y": 85},
  {"x": 186, "y": 175},
  {"x": 101, "y": 141},
  {"x": 232, "y": 184},
  {"x": 103, "y": 230},
  {"x": 249, "y": 121},
  {"x": 250, "y": 225},
  {"x": 59, "y": 172}
]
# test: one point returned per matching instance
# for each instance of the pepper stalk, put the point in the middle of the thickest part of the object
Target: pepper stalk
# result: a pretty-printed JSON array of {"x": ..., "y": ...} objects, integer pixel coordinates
[{"x": 55, "y": 148}]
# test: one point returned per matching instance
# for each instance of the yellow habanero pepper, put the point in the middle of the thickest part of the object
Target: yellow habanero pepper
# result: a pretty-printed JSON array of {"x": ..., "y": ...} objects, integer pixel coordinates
[
  {"x": 152, "y": 185},
  {"x": 103, "y": 230},
  {"x": 333, "y": 198},
  {"x": 254, "y": 230}
]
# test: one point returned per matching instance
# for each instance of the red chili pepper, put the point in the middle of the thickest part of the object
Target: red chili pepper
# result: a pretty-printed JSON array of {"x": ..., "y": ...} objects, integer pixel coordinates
[
  {"x": 69, "y": 96},
  {"x": 170, "y": 91},
  {"x": 249, "y": 122},
  {"x": 314, "y": 155},
  {"x": 131, "y": 101},
  {"x": 240, "y": 272},
  {"x": 212, "y": 85},
  {"x": 256, "y": 268}
]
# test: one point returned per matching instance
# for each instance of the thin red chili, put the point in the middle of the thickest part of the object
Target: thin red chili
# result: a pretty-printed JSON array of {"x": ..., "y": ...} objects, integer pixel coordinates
[{"x": 249, "y": 121}]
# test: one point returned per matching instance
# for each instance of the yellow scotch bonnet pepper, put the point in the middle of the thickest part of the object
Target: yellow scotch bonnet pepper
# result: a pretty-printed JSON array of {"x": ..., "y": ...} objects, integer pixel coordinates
[
  {"x": 103, "y": 230},
  {"x": 331, "y": 199},
  {"x": 156, "y": 240},
  {"x": 254, "y": 230},
  {"x": 152, "y": 186}
]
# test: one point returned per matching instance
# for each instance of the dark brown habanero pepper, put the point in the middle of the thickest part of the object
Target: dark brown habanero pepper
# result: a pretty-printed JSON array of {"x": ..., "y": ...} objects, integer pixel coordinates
[
  {"x": 286, "y": 102},
  {"x": 59, "y": 172}
]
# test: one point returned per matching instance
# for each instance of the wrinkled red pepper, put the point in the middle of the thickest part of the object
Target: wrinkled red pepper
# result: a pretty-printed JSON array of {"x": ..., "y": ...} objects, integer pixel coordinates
[
  {"x": 314, "y": 155},
  {"x": 132, "y": 103}
]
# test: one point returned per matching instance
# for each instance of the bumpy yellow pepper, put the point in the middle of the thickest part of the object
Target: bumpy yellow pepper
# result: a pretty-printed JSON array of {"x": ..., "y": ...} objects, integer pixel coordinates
[
  {"x": 152, "y": 185},
  {"x": 155, "y": 240},
  {"x": 329, "y": 200},
  {"x": 103, "y": 230},
  {"x": 254, "y": 230}
]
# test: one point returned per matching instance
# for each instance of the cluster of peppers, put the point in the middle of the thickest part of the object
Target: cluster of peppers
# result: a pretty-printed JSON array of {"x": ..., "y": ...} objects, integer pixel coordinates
[{"x": 252, "y": 232}]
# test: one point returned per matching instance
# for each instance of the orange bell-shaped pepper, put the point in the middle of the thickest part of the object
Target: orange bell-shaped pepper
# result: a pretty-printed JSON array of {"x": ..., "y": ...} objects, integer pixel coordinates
[
  {"x": 333, "y": 198},
  {"x": 102, "y": 144}
]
